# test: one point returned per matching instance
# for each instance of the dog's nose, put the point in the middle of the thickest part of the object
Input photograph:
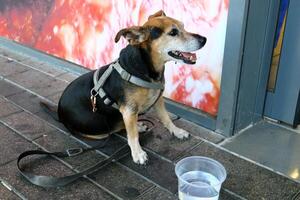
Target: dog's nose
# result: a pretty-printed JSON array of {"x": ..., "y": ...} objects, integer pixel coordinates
[{"x": 201, "y": 39}]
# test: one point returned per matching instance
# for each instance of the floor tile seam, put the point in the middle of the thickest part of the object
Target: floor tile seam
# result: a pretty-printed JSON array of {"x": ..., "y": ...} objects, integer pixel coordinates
[
  {"x": 143, "y": 177},
  {"x": 147, "y": 149},
  {"x": 199, "y": 137},
  {"x": 4, "y": 55},
  {"x": 13, "y": 113},
  {"x": 234, "y": 194},
  {"x": 296, "y": 195},
  {"x": 28, "y": 139},
  {"x": 18, "y": 72},
  {"x": 39, "y": 70},
  {"x": 26, "y": 89},
  {"x": 102, "y": 187},
  {"x": 187, "y": 151},
  {"x": 147, "y": 191},
  {"x": 12, "y": 189},
  {"x": 131, "y": 170},
  {"x": 43, "y": 120}
]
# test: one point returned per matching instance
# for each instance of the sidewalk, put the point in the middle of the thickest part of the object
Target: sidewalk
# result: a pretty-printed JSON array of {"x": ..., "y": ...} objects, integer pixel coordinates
[{"x": 24, "y": 81}]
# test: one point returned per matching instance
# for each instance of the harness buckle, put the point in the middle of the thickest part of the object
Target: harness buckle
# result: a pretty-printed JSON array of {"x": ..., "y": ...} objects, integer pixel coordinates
[{"x": 74, "y": 151}]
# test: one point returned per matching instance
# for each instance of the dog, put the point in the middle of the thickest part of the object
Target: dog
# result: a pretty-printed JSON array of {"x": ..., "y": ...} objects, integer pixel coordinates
[{"x": 159, "y": 40}]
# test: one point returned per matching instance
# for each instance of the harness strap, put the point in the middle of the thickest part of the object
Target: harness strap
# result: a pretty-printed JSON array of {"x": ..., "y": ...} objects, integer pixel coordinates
[
  {"x": 97, "y": 89},
  {"x": 99, "y": 82},
  {"x": 136, "y": 80}
]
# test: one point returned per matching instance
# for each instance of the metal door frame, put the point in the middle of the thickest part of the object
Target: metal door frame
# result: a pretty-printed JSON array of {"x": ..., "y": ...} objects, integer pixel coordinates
[{"x": 286, "y": 74}]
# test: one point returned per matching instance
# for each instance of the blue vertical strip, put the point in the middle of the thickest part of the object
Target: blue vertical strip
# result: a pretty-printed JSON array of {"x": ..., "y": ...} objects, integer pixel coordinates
[{"x": 282, "y": 11}]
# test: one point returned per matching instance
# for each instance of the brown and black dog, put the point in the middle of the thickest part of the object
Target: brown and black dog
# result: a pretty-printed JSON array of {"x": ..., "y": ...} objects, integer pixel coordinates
[{"x": 159, "y": 40}]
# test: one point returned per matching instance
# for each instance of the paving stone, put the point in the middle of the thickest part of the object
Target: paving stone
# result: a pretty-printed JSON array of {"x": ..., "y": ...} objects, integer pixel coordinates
[
  {"x": 33, "y": 62},
  {"x": 7, "y": 89},
  {"x": 14, "y": 55},
  {"x": 11, "y": 145},
  {"x": 247, "y": 179},
  {"x": 2, "y": 58},
  {"x": 57, "y": 141},
  {"x": 31, "y": 103},
  {"x": 49, "y": 119},
  {"x": 26, "y": 100},
  {"x": 163, "y": 143},
  {"x": 120, "y": 181},
  {"x": 158, "y": 194},
  {"x": 55, "y": 97},
  {"x": 224, "y": 195},
  {"x": 7, "y": 108},
  {"x": 112, "y": 145},
  {"x": 167, "y": 145},
  {"x": 10, "y": 67},
  {"x": 152, "y": 115},
  {"x": 6, "y": 194},
  {"x": 27, "y": 124},
  {"x": 68, "y": 76},
  {"x": 46, "y": 68},
  {"x": 38, "y": 82},
  {"x": 80, "y": 189},
  {"x": 297, "y": 196},
  {"x": 157, "y": 170},
  {"x": 198, "y": 130}
]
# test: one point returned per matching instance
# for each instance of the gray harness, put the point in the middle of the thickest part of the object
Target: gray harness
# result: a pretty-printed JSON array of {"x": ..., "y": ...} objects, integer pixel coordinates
[{"x": 99, "y": 82}]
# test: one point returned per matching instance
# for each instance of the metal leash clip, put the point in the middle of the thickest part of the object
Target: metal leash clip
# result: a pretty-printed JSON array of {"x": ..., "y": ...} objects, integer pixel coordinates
[{"x": 94, "y": 100}]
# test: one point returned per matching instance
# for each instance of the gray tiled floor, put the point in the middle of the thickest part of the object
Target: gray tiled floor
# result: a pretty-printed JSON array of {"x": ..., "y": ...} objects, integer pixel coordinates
[
  {"x": 270, "y": 145},
  {"x": 23, "y": 125}
]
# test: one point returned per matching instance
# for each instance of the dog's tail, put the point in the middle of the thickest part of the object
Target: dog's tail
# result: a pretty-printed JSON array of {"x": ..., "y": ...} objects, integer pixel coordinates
[{"x": 51, "y": 109}]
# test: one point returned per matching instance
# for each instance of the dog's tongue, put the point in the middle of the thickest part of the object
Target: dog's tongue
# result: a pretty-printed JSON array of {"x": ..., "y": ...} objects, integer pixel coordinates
[{"x": 190, "y": 56}]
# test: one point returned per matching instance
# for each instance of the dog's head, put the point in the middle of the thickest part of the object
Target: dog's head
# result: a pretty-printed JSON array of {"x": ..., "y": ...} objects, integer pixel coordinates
[{"x": 165, "y": 38}]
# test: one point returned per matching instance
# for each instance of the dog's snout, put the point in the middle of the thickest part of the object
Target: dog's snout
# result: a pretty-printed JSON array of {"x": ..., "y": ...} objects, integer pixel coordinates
[{"x": 200, "y": 39}]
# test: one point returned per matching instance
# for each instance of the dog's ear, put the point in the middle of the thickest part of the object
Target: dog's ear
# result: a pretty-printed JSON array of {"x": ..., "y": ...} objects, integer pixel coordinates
[
  {"x": 157, "y": 14},
  {"x": 134, "y": 35}
]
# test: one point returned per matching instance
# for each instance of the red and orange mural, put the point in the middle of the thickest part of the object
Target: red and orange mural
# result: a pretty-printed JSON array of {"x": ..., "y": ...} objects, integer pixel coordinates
[{"x": 83, "y": 31}]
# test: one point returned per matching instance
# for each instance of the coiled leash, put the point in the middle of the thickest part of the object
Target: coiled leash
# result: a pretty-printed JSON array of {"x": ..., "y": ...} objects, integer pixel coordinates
[{"x": 50, "y": 181}]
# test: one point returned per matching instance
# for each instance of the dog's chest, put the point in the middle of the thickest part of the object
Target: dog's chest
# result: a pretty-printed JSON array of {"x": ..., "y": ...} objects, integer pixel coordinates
[{"x": 149, "y": 100}]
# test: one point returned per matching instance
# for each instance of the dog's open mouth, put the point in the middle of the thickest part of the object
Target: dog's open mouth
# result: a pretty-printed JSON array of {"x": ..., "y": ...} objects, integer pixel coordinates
[{"x": 186, "y": 57}]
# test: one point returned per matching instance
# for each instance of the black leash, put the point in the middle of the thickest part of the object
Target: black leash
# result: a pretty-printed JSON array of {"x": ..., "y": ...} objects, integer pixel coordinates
[{"x": 50, "y": 181}]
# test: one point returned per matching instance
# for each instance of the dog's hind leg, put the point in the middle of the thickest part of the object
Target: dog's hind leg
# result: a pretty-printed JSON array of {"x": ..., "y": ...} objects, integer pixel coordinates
[
  {"x": 167, "y": 122},
  {"x": 130, "y": 118}
]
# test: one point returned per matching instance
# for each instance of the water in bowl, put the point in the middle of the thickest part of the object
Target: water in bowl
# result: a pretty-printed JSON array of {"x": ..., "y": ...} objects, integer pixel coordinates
[{"x": 204, "y": 186}]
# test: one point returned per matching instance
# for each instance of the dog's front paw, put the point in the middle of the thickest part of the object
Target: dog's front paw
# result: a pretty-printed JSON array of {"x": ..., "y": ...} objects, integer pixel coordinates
[
  {"x": 140, "y": 157},
  {"x": 180, "y": 133}
]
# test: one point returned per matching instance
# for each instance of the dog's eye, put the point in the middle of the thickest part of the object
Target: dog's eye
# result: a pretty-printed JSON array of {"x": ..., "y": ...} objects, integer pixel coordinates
[{"x": 173, "y": 32}]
